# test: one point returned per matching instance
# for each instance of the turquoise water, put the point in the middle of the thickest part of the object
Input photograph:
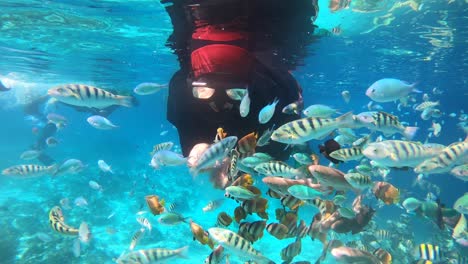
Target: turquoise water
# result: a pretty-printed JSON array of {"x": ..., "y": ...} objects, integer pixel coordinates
[{"x": 119, "y": 44}]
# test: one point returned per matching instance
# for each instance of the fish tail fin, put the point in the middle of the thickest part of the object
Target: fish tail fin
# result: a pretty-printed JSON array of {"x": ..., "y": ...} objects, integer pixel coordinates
[
  {"x": 127, "y": 101},
  {"x": 183, "y": 252},
  {"x": 414, "y": 89},
  {"x": 346, "y": 119},
  {"x": 410, "y": 132},
  {"x": 53, "y": 169}
]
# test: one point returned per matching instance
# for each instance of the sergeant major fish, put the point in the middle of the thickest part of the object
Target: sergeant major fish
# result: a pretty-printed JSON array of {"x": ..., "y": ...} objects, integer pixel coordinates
[
  {"x": 152, "y": 256},
  {"x": 29, "y": 171},
  {"x": 238, "y": 245},
  {"x": 305, "y": 129},
  {"x": 213, "y": 153},
  {"x": 384, "y": 122},
  {"x": 88, "y": 96}
]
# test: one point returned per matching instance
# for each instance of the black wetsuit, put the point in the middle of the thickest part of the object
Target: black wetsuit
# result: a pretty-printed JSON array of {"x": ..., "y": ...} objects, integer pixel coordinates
[{"x": 272, "y": 35}]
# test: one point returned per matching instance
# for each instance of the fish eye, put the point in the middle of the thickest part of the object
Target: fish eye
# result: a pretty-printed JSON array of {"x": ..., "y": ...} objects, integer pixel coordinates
[
  {"x": 60, "y": 90},
  {"x": 373, "y": 90}
]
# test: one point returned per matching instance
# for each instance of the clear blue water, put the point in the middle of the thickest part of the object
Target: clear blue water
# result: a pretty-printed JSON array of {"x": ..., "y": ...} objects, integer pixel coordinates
[{"x": 119, "y": 44}]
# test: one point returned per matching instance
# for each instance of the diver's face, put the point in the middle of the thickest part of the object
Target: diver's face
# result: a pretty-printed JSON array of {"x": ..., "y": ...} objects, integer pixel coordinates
[{"x": 218, "y": 94}]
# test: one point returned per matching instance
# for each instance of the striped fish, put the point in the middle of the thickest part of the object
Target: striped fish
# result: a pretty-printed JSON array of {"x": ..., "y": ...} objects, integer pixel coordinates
[
  {"x": 277, "y": 230},
  {"x": 450, "y": 157},
  {"x": 358, "y": 180},
  {"x": 347, "y": 154},
  {"x": 224, "y": 220},
  {"x": 56, "y": 221},
  {"x": 233, "y": 170},
  {"x": 154, "y": 255},
  {"x": 162, "y": 146},
  {"x": 136, "y": 238},
  {"x": 383, "y": 234},
  {"x": 216, "y": 256},
  {"x": 30, "y": 170},
  {"x": 291, "y": 202},
  {"x": 252, "y": 231},
  {"x": 399, "y": 153},
  {"x": 248, "y": 143},
  {"x": 325, "y": 207},
  {"x": 237, "y": 245},
  {"x": 291, "y": 250},
  {"x": 214, "y": 153},
  {"x": 305, "y": 129},
  {"x": 385, "y": 123},
  {"x": 429, "y": 252},
  {"x": 383, "y": 255},
  {"x": 426, "y": 105},
  {"x": 144, "y": 222},
  {"x": 88, "y": 96},
  {"x": 276, "y": 168}
]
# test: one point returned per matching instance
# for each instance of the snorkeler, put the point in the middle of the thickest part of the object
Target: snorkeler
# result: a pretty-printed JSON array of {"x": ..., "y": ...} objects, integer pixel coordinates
[{"x": 226, "y": 46}]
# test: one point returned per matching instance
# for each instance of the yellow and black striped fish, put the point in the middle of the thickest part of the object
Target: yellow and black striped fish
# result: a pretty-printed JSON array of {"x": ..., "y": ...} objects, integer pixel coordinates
[
  {"x": 384, "y": 256},
  {"x": 56, "y": 221},
  {"x": 162, "y": 146},
  {"x": 224, "y": 220},
  {"x": 388, "y": 124},
  {"x": 153, "y": 255},
  {"x": 358, "y": 180},
  {"x": 233, "y": 170},
  {"x": 239, "y": 214},
  {"x": 291, "y": 202},
  {"x": 274, "y": 194},
  {"x": 276, "y": 168},
  {"x": 257, "y": 205},
  {"x": 448, "y": 158},
  {"x": 30, "y": 170},
  {"x": 305, "y": 129},
  {"x": 429, "y": 252},
  {"x": 291, "y": 250},
  {"x": 252, "y": 231},
  {"x": 277, "y": 230},
  {"x": 88, "y": 96},
  {"x": 347, "y": 154},
  {"x": 383, "y": 234},
  {"x": 136, "y": 238},
  {"x": 247, "y": 144},
  {"x": 235, "y": 243}
]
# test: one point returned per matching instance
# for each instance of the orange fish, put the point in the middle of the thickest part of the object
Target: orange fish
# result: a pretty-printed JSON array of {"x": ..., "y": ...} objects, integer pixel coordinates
[
  {"x": 156, "y": 206},
  {"x": 248, "y": 143},
  {"x": 386, "y": 192},
  {"x": 220, "y": 134}
]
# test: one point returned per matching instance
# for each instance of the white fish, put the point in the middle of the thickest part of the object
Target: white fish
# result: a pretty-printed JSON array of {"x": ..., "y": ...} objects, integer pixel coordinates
[
  {"x": 319, "y": 110},
  {"x": 72, "y": 166},
  {"x": 88, "y": 96},
  {"x": 30, "y": 154},
  {"x": 100, "y": 122},
  {"x": 95, "y": 186},
  {"x": 244, "y": 107},
  {"x": 84, "y": 234},
  {"x": 267, "y": 112},
  {"x": 346, "y": 96},
  {"x": 148, "y": 88},
  {"x": 104, "y": 166},
  {"x": 388, "y": 90},
  {"x": 81, "y": 202},
  {"x": 167, "y": 158},
  {"x": 58, "y": 120}
]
